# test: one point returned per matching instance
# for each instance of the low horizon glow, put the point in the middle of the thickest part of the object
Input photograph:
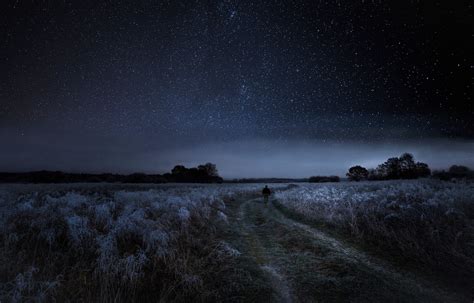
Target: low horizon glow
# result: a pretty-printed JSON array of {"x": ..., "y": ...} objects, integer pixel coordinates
[{"x": 246, "y": 158}]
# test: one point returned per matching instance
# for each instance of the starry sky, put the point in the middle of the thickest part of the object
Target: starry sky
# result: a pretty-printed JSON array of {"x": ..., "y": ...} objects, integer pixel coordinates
[{"x": 261, "y": 88}]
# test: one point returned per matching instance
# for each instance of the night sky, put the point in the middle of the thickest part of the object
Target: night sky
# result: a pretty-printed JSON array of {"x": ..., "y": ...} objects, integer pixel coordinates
[{"x": 261, "y": 88}]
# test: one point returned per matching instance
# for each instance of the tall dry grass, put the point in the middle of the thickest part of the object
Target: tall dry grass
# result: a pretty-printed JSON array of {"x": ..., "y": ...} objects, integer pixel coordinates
[
  {"x": 109, "y": 245},
  {"x": 425, "y": 222}
]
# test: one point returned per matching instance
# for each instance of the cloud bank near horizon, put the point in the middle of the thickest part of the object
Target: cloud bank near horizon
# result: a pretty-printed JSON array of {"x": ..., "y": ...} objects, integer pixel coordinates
[{"x": 235, "y": 159}]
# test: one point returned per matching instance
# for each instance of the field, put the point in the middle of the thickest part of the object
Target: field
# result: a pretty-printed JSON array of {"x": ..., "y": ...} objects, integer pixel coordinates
[
  {"x": 369, "y": 241},
  {"x": 429, "y": 222}
]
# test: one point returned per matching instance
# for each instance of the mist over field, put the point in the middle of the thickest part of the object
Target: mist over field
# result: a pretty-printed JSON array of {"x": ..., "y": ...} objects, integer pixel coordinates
[
  {"x": 289, "y": 158},
  {"x": 296, "y": 159}
]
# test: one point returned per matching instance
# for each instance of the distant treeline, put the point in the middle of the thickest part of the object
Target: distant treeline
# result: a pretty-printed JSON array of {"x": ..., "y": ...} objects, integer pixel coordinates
[
  {"x": 454, "y": 172},
  {"x": 405, "y": 167},
  {"x": 266, "y": 180},
  {"x": 322, "y": 179},
  {"x": 206, "y": 173}
]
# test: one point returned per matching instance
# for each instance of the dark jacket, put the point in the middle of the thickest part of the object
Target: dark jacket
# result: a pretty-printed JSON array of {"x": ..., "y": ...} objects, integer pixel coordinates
[{"x": 266, "y": 191}]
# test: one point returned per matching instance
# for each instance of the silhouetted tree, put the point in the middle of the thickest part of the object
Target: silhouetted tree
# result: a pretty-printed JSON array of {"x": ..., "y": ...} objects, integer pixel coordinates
[
  {"x": 210, "y": 169},
  {"x": 179, "y": 170},
  {"x": 403, "y": 167},
  {"x": 357, "y": 173},
  {"x": 407, "y": 166},
  {"x": 459, "y": 171},
  {"x": 391, "y": 168},
  {"x": 375, "y": 174},
  {"x": 422, "y": 170},
  {"x": 206, "y": 173}
]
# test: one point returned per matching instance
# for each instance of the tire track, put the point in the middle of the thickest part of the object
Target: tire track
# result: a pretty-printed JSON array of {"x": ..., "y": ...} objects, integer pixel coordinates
[
  {"x": 264, "y": 256},
  {"x": 256, "y": 221},
  {"x": 380, "y": 267}
]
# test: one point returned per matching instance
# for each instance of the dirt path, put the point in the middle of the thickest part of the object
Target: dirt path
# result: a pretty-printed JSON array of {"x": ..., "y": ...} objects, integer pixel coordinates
[{"x": 304, "y": 264}]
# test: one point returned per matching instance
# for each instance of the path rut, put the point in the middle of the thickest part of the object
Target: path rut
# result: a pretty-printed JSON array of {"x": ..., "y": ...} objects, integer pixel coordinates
[{"x": 305, "y": 264}]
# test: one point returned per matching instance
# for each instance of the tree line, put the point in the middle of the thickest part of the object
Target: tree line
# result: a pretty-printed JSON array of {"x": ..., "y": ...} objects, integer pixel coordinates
[
  {"x": 323, "y": 179},
  {"x": 206, "y": 173},
  {"x": 454, "y": 172},
  {"x": 405, "y": 167}
]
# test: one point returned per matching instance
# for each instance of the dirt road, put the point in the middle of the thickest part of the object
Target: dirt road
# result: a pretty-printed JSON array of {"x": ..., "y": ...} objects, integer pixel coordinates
[{"x": 304, "y": 264}]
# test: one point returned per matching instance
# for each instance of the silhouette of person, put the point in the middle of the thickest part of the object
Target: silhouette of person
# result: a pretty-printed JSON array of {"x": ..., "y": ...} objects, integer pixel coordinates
[{"x": 266, "y": 192}]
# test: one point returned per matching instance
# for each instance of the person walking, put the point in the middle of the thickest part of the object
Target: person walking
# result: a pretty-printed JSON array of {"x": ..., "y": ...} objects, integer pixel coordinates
[{"x": 266, "y": 192}]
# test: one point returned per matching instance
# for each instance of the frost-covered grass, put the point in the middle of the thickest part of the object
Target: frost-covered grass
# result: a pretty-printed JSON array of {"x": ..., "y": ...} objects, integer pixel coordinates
[
  {"x": 117, "y": 243},
  {"x": 122, "y": 243},
  {"x": 427, "y": 222}
]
